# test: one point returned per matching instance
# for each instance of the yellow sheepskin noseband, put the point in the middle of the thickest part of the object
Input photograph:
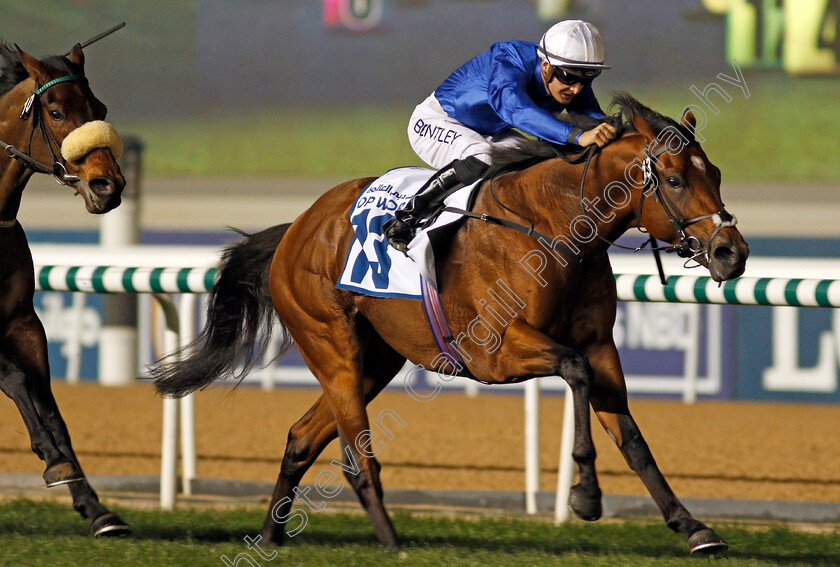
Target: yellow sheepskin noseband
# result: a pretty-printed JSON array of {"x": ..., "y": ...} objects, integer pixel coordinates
[{"x": 90, "y": 136}]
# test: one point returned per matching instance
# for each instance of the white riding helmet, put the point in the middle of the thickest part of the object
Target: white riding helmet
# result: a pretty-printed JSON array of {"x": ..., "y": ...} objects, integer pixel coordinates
[{"x": 573, "y": 43}]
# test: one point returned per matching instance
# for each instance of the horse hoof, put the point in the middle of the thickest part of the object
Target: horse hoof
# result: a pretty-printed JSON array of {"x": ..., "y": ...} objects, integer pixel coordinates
[
  {"x": 272, "y": 539},
  {"x": 109, "y": 525},
  {"x": 62, "y": 473},
  {"x": 585, "y": 506},
  {"x": 706, "y": 541}
]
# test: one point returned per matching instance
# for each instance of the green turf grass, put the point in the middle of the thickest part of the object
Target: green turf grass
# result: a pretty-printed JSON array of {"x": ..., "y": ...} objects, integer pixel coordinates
[
  {"x": 51, "y": 534},
  {"x": 785, "y": 131}
]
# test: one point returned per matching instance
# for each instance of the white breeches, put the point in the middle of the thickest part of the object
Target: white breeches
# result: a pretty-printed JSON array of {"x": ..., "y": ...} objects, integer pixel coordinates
[{"x": 439, "y": 139}]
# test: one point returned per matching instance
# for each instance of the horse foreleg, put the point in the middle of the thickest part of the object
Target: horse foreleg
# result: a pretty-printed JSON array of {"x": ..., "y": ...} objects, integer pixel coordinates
[
  {"x": 525, "y": 353},
  {"x": 13, "y": 383},
  {"x": 609, "y": 400},
  {"x": 85, "y": 500},
  {"x": 27, "y": 347}
]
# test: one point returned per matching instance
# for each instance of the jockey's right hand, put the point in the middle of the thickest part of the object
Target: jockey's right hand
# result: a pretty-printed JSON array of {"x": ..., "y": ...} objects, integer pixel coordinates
[{"x": 601, "y": 135}]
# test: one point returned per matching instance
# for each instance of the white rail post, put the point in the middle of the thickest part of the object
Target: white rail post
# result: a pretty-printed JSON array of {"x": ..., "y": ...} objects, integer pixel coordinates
[
  {"x": 692, "y": 356},
  {"x": 73, "y": 346},
  {"x": 121, "y": 227},
  {"x": 471, "y": 388},
  {"x": 169, "y": 441},
  {"x": 532, "y": 444},
  {"x": 566, "y": 467},
  {"x": 187, "y": 315},
  {"x": 269, "y": 369}
]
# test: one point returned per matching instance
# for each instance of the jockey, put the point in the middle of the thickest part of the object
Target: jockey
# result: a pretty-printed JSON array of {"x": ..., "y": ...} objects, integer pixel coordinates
[{"x": 515, "y": 85}]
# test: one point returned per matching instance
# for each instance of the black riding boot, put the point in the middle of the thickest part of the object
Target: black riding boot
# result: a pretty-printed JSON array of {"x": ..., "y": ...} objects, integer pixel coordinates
[{"x": 400, "y": 230}]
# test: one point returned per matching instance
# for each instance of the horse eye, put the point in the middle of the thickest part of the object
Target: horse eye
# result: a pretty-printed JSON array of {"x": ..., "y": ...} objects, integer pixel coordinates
[
  {"x": 56, "y": 115},
  {"x": 674, "y": 182}
]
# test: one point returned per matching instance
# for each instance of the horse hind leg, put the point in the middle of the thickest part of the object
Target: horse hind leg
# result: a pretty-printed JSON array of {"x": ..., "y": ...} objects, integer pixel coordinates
[
  {"x": 307, "y": 440},
  {"x": 359, "y": 447},
  {"x": 364, "y": 469},
  {"x": 368, "y": 488}
]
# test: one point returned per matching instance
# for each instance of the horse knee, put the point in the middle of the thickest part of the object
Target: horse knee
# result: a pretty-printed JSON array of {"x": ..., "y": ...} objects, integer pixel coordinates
[
  {"x": 634, "y": 447},
  {"x": 12, "y": 379},
  {"x": 575, "y": 369}
]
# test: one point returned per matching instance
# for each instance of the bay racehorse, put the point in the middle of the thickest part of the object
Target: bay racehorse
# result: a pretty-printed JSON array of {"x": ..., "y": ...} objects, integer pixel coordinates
[
  {"x": 655, "y": 176},
  {"x": 50, "y": 122}
]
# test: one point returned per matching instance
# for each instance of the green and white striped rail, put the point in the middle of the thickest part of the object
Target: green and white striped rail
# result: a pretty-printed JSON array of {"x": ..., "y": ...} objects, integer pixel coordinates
[
  {"x": 795, "y": 292},
  {"x": 112, "y": 279}
]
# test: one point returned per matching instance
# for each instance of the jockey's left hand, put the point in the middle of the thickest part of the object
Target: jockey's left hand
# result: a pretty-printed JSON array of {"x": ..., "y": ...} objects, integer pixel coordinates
[{"x": 601, "y": 135}]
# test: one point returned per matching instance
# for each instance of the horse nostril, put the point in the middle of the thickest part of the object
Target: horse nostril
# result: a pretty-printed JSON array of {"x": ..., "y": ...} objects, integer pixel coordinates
[
  {"x": 725, "y": 255},
  {"x": 105, "y": 185}
]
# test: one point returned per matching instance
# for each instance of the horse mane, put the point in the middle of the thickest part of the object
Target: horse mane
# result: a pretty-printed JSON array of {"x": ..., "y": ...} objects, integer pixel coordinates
[
  {"x": 628, "y": 105},
  {"x": 12, "y": 71},
  {"x": 530, "y": 151}
]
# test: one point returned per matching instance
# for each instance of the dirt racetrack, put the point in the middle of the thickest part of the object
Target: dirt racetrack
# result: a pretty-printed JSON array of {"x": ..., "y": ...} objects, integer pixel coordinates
[{"x": 709, "y": 449}]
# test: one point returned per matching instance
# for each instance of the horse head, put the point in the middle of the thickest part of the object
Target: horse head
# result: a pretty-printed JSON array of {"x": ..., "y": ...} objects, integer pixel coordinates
[
  {"x": 680, "y": 201},
  {"x": 71, "y": 123}
]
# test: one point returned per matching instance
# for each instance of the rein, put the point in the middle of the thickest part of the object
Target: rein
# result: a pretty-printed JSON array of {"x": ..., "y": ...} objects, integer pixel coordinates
[
  {"x": 586, "y": 156},
  {"x": 688, "y": 246}
]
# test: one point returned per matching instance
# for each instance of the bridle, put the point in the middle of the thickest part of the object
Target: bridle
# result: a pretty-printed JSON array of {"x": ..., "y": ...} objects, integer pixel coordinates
[
  {"x": 32, "y": 107},
  {"x": 687, "y": 246},
  {"x": 58, "y": 169}
]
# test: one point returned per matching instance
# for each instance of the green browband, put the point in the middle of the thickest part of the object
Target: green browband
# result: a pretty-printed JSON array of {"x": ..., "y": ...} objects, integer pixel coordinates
[{"x": 54, "y": 82}]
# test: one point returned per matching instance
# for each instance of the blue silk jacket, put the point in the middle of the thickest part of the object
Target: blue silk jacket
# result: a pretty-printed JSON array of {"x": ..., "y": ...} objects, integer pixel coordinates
[{"x": 502, "y": 88}]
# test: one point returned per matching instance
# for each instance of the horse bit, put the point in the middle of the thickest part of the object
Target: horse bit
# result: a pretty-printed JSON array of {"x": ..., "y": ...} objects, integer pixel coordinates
[{"x": 58, "y": 169}]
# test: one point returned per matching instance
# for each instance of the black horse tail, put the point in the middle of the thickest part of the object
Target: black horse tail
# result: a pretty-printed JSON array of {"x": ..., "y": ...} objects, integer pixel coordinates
[{"x": 240, "y": 318}]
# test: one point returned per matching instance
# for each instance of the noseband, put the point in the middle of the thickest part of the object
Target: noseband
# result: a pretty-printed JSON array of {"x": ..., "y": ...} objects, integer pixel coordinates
[{"x": 32, "y": 107}]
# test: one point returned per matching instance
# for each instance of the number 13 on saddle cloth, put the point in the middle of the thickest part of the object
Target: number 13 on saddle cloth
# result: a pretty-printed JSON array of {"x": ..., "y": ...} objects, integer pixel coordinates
[{"x": 373, "y": 267}]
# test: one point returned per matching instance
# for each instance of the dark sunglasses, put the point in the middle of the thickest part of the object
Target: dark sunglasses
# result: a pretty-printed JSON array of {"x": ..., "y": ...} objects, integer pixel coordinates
[{"x": 582, "y": 76}]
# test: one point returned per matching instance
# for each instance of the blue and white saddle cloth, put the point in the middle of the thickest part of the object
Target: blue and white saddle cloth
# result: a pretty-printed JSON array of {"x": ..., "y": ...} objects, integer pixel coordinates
[{"x": 377, "y": 269}]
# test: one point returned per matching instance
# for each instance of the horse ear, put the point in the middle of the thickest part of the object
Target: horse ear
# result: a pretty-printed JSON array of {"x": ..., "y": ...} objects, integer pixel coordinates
[
  {"x": 642, "y": 126},
  {"x": 76, "y": 56},
  {"x": 32, "y": 65},
  {"x": 688, "y": 119}
]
